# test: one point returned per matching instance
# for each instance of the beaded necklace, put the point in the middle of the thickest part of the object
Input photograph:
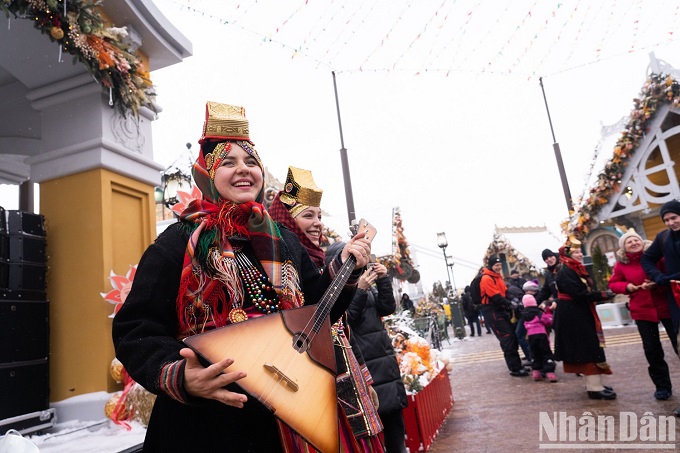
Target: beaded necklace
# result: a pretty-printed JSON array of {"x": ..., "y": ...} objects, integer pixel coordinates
[{"x": 257, "y": 289}]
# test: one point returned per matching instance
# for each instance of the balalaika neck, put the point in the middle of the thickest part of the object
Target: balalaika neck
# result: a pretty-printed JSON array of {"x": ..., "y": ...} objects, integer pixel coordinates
[{"x": 324, "y": 305}]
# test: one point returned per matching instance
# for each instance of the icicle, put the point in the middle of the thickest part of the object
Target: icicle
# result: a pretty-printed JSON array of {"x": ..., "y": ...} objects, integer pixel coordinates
[
  {"x": 111, "y": 97},
  {"x": 64, "y": 8},
  {"x": 9, "y": 23},
  {"x": 59, "y": 53}
]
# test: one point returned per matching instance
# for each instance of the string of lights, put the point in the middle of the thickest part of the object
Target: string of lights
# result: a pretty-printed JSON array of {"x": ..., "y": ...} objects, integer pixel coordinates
[{"x": 450, "y": 35}]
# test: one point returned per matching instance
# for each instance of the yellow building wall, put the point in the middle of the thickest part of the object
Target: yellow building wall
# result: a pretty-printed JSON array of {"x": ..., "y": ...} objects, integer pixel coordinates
[
  {"x": 96, "y": 222},
  {"x": 653, "y": 224}
]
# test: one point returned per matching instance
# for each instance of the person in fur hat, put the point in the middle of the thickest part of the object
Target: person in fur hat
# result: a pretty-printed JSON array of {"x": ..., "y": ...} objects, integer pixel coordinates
[
  {"x": 536, "y": 322},
  {"x": 648, "y": 306}
]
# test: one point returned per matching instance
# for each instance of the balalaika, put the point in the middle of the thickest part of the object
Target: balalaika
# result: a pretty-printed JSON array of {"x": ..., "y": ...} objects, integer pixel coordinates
[{"x": 289, "y": 360}]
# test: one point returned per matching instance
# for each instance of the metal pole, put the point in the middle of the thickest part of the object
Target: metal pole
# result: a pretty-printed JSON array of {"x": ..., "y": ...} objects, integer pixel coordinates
[
  {"x": 453, "y": 279},
  {"x": 26, "y": 196},
  {"x": 446, "y": 263},
  {"x": 351, "y": 214},
  {"x": 558, "y": 155}
]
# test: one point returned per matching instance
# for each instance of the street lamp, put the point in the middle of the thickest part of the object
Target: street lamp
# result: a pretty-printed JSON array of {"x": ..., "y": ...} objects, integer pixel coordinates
[
  {"x": 443, "y": 243},
  {"x": 449, "y": 263},
  {"x": 173, "y": 180},
  {"x": 456, "y": 314}
]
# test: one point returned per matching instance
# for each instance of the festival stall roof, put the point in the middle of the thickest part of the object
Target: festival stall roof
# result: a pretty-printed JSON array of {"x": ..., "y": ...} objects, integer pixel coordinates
[
  {"x": 625, "y": 178},
  {"x": 529, "y": 242}
]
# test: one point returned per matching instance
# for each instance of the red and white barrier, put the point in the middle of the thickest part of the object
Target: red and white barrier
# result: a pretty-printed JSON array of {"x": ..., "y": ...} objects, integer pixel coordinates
[{"x": 427, "y": 411}]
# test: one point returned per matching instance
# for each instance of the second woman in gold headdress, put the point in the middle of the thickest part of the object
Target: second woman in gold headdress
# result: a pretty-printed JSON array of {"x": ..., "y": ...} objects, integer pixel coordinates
[{"x": 298, "y": 208}]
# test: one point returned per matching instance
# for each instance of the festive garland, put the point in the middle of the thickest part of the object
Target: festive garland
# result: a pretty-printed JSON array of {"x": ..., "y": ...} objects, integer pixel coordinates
[
  {"x": 514, "y": 258},
  {"x": 657, "y": 90},
  {"x": 418, "y": 362},
  {"x": 400, "y": 265},
  {"x": 76, "y": 25}
]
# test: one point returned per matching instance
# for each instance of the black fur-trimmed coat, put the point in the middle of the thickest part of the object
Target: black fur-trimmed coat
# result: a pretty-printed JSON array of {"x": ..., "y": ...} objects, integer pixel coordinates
[{"x": 145, "y": 337}]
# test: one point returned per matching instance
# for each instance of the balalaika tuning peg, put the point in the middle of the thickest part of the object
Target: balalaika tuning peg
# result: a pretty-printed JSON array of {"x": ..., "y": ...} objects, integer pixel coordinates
[{"x": 353, "y": 228}]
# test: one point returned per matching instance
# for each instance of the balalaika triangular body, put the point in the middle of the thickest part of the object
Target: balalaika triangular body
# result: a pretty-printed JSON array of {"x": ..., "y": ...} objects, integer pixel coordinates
[{"x": 289, "y": 360}]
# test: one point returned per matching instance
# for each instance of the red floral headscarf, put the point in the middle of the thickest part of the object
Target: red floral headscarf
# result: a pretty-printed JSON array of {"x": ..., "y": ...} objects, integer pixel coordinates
[
  {"x": 567, "y": 260},
  {"x": 210, "y": 273}
]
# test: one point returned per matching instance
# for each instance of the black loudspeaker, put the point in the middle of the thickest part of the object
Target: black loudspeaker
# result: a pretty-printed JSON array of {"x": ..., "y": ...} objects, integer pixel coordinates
[
  {"x": 23, "y": 261},
  {"x": 24, "y": 326},
  {"x": 24, "y": 388},
  {"x": 24, "y": 316},
  {"x": 24, "y": 349},
  {"x": 26, "y": 247},
  {"x": 23, "y": 222},
  {"x": 23, "y": 275},
  {"x": 4, "y": 239},
  {"x": 4, "y": 246},
  {"x": 4, "y": 273}
]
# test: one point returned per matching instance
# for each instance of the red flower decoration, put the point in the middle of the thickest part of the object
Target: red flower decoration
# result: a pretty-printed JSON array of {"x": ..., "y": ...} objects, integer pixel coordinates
[
  {"x": 185, "y": 198},
  {"x": 121, "y": 287}
]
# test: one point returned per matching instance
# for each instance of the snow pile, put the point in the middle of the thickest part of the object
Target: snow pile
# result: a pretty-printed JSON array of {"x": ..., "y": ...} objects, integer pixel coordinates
[{"x": 77, "y": 436}]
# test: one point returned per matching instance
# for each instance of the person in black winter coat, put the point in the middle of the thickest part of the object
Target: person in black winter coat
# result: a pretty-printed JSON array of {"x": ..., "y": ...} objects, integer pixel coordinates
[
  {"x": 516, "y": 280},
  {"x": 515, "y": 294},
  {"x": 374, "y": 299},
  {"x": 407, "y": 304},
  {"x": 547, "y": 295},
  {"x": 471, "y": 312},
  {"x": 224, "y": 262},
  {"x": 579, "y": 339},
  {"x": 666, "y": 245}
]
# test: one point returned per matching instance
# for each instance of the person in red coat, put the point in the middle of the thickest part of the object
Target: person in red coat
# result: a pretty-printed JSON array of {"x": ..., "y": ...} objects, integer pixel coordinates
[{"x": 648, "y": 305}]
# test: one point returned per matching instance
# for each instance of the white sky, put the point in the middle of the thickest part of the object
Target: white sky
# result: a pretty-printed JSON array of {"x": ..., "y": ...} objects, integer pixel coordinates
[
  {"x": 446, "y": 119},
  {"x": 442, "y": 112}
]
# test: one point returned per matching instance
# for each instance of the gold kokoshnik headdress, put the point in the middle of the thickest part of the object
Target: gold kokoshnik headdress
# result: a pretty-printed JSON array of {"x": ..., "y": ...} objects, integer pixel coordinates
[
  {"x": 300, "y": 191},
  {"x": 224, "y": 124}
]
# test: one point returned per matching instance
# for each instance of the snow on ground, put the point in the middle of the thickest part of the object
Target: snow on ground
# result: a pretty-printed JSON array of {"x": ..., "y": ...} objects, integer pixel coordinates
[
  {"x": 82, "y": 427},
  {"x": 102, "y": 436}
]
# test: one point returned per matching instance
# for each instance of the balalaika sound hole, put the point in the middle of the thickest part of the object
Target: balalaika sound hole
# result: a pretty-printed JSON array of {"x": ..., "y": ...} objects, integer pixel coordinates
[{"x": 300, "y": 342}]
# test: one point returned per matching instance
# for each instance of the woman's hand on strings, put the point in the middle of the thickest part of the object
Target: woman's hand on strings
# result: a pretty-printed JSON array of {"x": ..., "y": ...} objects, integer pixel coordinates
[
  {"x": 360, "y": 248},
  {"x": 209, "y": 382}
]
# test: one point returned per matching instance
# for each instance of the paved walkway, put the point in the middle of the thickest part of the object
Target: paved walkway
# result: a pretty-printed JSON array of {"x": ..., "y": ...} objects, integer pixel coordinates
[{"x": 495, "y": 412}]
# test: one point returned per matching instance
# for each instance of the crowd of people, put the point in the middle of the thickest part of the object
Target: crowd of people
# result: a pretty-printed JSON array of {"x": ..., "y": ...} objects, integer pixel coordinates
[
  {"x": 230, "y": 259},
  {"x": 563, "y": 309}
]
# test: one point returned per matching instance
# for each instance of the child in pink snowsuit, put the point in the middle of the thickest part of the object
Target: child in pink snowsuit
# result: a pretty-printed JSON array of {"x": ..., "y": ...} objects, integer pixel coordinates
[{"x": 536, "y": 322}]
